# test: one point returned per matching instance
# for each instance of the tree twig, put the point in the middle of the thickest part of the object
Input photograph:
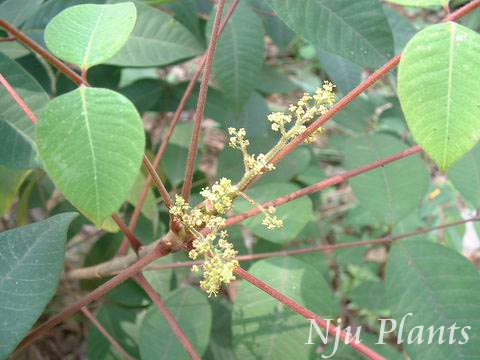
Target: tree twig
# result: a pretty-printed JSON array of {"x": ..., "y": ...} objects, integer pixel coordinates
[
  {"x": 89, "y": 315},
  {"x": 158, "y": 182},
  {"x": 161, "y": 249},
  {"x": 18, "y": 99},
  {"x": 307, "y": 314},
  {"x": 28, "y": 42},
  {"x": 202, "y": 98},
  {"x": 133, "y": 240},
  {"x": 167, "y": 314}
]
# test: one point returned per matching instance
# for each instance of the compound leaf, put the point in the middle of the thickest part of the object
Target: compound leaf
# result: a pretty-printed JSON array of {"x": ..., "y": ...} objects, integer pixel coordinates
[
  {"x": 357, "y": 30},
  {"x": 91, "y": 142},
  {"x": 439, "y": 287},
  {"x": 438, "y": 86},
  {"x": 89, "y": 34},
  {"x": 264, "y": 328},
  {"x": 239, "y": 57},
  {"x": 158, "y": 39},
  {"x": 390, "y": 192}
]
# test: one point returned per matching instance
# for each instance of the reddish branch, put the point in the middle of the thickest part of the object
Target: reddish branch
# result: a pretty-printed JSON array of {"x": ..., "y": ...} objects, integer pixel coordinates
[
  {"x": 18, "y": 99},
  {"x": 163, "y": 248},
  {"x": 202, "y": 98},
  {"x": 7, "y": 39},
  {"x": 163, "y": 146},
  {"x": 324, "y": 184},
  {"x": 25, "y": 40},
  {"x": 325, "y": 248},
  {"x": 158, "y": 182},
  {"x": 89, "y": 315},
  {"x": 307, "y": 314},
  {"x": 132, "y": 239},
  {"x": 117, "y": 264},
  {"x": 167, "y": 314}
]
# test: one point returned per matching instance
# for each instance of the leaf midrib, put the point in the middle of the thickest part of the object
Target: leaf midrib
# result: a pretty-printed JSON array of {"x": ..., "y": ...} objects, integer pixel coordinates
[
  {"x": 92, "y": 148},
  {"x": 90, "y": 39},
  {"x": 385, "y": 180},
  {"x": 449, "y": 91}
]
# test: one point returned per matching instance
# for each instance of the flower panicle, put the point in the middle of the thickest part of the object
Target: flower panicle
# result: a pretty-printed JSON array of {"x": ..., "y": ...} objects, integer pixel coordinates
[{"x": 218, "y": 253}]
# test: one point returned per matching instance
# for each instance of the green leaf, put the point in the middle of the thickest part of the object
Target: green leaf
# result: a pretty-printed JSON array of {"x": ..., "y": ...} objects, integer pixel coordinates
[
  {"x": 173, "y": 163},
  {"x": 295, "y": 214},
  {"x": 312, "y": 175},
  {"x": 274, "y": 81},
  {"x": 121, "y": 324},
  {"x": 280, "y": 33},
  {"x": 351, "y": 255},
  {"x": 17, "y": 132},
  {"x": 30, "y": 267},
  {"x": 91, "y": 142},
  {"x": 440, "y": 288},
  {"x": 345, "y": 74},
  {"x": 13, "y": 49},
  {"x": 186, "y": 12},
  {"x": 88, "y": 35},
  {"x": 345, "y": 352},
  {"x": 220, "y": 345},
  {"x": 294, "y": 163},
  {"x": 160, "y": 279},
  {"x": 128, "y": 294},
  {"x": 370, "y": 295},
  {"x": 35, "y": 25},
  {"x": 276, "y": 29},
  {"x": 438, "y": 86},
  {"x": 158, "y": 39},
  {"x": 17, "y": 11},
  {"x": 10, "y": 182},
  {"x": 420, "y": 3},
  {"x": 253, "y": 117},
  {"x": 356, "y": 116},
  {"x": 265, "y": 329},
  {"x": 357, "y": 30},
  {"x": 194, "y": 315},
  {"x": 402, "y": 28},
  {"x": 390, "y": 193},
  {"x": 465, "y": 176},
  {"x": 239, "y": 56}
]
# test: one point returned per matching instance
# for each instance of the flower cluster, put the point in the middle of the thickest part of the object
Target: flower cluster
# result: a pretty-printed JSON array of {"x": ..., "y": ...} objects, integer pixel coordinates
[
  {"x": 306, "y": 109},
  {"x": 313, "y": 136},
  {"x": 237, "y": 138},
  {"x": 219, "y": 255},
  {"x": 271, "y": 221},
  {"x": 219, "y": 197},
  {"x": 219, "y": 265},
  {"x": 255, "y": 164}
]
